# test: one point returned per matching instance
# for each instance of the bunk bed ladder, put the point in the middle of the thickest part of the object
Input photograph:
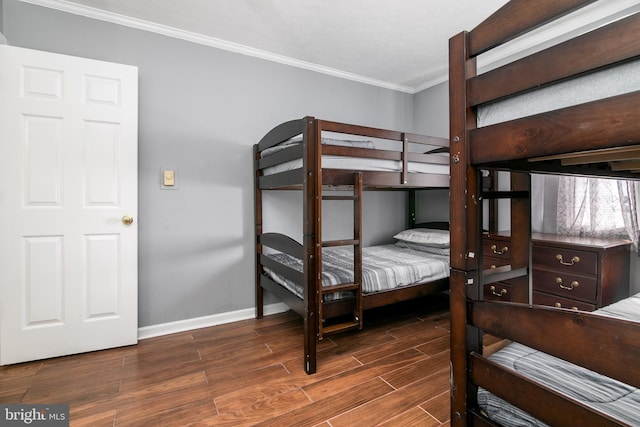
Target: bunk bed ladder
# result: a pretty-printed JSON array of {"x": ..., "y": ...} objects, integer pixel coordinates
[{"x": 356, "y": 287}]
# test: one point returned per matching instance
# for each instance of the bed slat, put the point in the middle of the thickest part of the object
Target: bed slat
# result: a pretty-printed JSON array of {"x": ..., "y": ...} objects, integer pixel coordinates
[
  {"x": 338, "y": 150},
  {"x": 509, "y": 22},
  {"x": 281, "y": 269},
  {"x": 594, "y": 156},
  {"x": 606, "y": 123},
  {"x": 569, "y": 335},
  {"x": 607, "y": 45},
  {"x": 290, "y": 178},
  {"x": 626, "y": 165},
  {"x": 288, "y": 154},
  {"x": 359, "y": 130},
  {"x": 404, "y": 293},
  {"x": 344, "y": 177},
  {"x": 539, "y": 401}
]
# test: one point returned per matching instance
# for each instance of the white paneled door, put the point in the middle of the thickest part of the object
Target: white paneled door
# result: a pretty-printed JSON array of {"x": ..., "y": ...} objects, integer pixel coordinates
[{"x": 68, "y": 193}]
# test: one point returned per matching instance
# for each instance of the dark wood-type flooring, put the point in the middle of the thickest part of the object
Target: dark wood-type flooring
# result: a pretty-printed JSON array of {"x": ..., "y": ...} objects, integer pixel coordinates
[{"x": 393, "y": 373}]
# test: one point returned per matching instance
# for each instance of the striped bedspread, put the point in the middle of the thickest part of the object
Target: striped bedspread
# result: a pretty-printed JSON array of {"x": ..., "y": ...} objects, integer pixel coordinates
[
  {"x": 384, "y": 267},
  {"x": 595, "y": 390}
]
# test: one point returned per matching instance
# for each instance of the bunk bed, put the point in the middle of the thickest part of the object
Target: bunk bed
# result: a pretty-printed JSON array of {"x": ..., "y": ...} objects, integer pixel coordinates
[
  {"x": 318, "y": 157},
  {"x": 592, "y": 135}
]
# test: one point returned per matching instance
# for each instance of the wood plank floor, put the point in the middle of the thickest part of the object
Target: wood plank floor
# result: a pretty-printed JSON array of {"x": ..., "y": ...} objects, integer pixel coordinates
[{"x": 393, "y": 373}]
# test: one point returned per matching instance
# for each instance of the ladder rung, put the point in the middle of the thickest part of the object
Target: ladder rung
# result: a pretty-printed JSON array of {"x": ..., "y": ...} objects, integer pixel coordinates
[
  {"x": 339, "y": 327},
  {"x": 356, "y": 322},
  {"x": 341, "y": 287},
  {"x": 340, "y": 243},
  {"x": 340, "y": 197}
]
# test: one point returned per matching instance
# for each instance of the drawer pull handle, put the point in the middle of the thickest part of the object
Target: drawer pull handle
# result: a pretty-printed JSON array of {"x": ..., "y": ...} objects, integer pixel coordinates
[
  {"x": 558, "y": 305},
  {"x": 571, "y": 287},
  {"x": 502, "y": 292},
  {"x": 502, "y": 251},
  {"x": 574, "y": 260}
]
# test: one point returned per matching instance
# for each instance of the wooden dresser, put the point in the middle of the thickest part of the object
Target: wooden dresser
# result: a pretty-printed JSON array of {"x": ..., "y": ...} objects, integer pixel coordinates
[
  {"x": 497, "y": 253},
  {"x": 570, "y": 272},
  {"x": 580, "y": 273}
]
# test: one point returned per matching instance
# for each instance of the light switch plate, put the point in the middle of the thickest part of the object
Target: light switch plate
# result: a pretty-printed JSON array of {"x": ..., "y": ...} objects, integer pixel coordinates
[{"x": 169, "y": 178}]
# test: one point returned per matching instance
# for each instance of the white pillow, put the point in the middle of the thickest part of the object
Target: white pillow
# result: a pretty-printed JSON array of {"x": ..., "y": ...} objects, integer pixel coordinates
[
  {"x": 432, "y": 250},
  {"x": 425, "y": 236}
]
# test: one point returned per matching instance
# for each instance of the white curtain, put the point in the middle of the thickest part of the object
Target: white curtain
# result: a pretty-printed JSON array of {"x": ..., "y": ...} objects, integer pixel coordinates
[
  {"x": 629, "y": 198},
  {"x": 598, "y": 207}
]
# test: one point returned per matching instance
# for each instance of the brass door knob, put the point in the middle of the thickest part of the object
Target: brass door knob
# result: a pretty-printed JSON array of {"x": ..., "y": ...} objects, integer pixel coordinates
[{"x": 127, "y": 220}]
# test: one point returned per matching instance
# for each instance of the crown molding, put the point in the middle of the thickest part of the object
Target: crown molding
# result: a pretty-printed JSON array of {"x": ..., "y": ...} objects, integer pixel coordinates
[
  {"x": 114, "y": 18},
  {"x": 583, "y": 20}
]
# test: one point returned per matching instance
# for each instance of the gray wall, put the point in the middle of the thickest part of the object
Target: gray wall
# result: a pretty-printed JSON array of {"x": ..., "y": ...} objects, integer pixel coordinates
[
  {"x": 431, "y": 111},
  {"x": 431, "y": 117},
  {"x": 200, "y": 111},
  {"x": 2, "y": 38}
]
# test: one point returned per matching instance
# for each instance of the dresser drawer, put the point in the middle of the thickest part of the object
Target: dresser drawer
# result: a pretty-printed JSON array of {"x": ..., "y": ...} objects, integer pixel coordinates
[
  {"x": 566, "y": 285},
  {"x": 493, "y": 263},
  {"x": 497, "y": 292},
  {"x": 540, "y": 298},
  {"x": 497, "y": 249},
  {"x": 566, "y": 260}
]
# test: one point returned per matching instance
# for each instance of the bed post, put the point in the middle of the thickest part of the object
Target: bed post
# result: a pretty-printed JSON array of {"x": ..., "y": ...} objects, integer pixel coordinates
[
  {"x": 521, "y": 234},
  {"x": 465, "y": 227},
  {"x": 257, "y": 206},
  {"x": 411, "y": 209},
  {"x": 312, "y": 239}
]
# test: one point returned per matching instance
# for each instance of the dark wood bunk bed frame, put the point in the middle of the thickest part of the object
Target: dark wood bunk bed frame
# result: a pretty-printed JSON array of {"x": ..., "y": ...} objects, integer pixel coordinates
[
  {"x": 311, "y": 179},
  {"x": 595, "y": 138}
]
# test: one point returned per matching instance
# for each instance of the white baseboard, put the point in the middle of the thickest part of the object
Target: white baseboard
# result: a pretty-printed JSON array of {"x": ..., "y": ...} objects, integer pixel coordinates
[{"x": 206, "y": 321}]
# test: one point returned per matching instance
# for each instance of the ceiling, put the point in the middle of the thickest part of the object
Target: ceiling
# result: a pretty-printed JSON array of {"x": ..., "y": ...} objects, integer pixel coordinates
[{"x": 399, "y": 44}]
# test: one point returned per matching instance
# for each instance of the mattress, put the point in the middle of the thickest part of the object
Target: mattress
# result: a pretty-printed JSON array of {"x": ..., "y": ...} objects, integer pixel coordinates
[
  {"x": 384, "y": 267},
  {"x": 355, "y": 163},
  {"x": 617, "y": 80},
  {"x": 605, "y": 394}
]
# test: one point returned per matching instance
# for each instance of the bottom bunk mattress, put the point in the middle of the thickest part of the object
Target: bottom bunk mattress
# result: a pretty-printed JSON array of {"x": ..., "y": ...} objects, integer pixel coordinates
[
  {"x": 384, "y": 267},
  {"x": 595, "y": 390}
]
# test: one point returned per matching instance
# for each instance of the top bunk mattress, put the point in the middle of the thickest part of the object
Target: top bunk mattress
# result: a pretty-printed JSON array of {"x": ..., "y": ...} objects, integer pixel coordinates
[
  {"x": 602, "y": 393},
  {"x": 617, "y": 80}
]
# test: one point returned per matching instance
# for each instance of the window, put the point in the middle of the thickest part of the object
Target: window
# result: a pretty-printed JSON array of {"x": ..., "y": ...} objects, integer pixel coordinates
[{"x": 597, "y": 207}]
